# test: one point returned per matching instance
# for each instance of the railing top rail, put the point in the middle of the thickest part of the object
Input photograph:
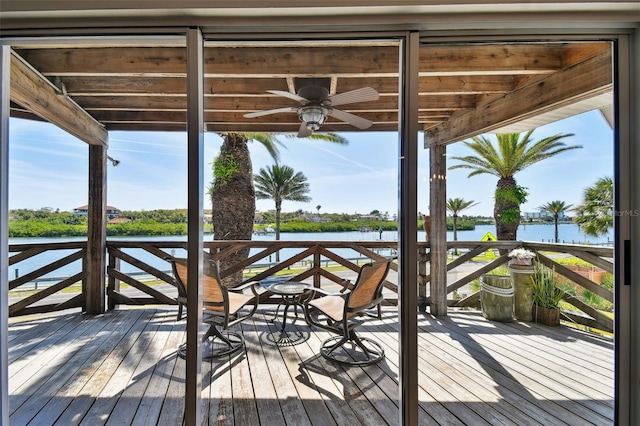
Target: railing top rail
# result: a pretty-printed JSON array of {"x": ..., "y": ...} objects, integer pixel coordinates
[
  {"x": 13, "y": 248},
  {"x": 559, "y": 247}
]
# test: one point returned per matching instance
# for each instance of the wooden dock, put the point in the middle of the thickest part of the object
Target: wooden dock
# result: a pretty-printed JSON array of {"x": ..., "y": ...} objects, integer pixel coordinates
[{"x": 121, "y": 368}]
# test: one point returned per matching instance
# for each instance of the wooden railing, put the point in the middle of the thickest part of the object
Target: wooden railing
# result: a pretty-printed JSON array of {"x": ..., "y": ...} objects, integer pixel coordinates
[
  {"x": 309, "y": 260},
  {"x": 599, "y": 257},
  {"x": 33, "y": 303},
  {"x": 309, "y": 256}
]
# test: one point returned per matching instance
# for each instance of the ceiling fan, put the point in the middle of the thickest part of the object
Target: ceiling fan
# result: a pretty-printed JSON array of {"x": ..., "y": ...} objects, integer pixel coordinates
[{"x": 316, "y": 105}]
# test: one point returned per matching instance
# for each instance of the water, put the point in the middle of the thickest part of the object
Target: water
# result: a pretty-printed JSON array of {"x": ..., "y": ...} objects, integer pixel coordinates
[{"x": 568, "y": 233}]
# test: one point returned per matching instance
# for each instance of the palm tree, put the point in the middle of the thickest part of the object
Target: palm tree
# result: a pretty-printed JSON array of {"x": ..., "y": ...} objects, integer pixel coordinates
[
  {"x": 455, "y": 206},
  {"x": 232, "y": 194},
  {"x": 514, "y": 153},
  {"x": 281, "y": 183},
  {"x": 555, "y": 208},
  {"x": 318, "y": 207},
  {"x": 595, "y": 214}
]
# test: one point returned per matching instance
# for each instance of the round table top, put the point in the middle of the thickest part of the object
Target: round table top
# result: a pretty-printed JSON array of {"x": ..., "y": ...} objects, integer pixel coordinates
[{"x": 288, "y": 288}]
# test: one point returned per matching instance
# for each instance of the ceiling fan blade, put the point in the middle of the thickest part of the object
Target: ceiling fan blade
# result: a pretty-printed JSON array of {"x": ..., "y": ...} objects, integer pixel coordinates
[
  {"x": 269, "y": 111},
  {"x": 303, "y": 132},
  {"x": 364, "y": 94},
  {"x": 295, "y": 97},
  {"x": 354, "y": 120}
]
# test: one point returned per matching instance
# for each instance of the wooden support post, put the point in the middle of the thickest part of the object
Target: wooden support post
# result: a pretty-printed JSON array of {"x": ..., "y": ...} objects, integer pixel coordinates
[
  {"x": 195, "y": 183},
  {"x": 4, "y": 231},
  {"x": 407, "y": 230},
  {"x": 97, "y": 230},
  {"x": 438, "y": 234}
]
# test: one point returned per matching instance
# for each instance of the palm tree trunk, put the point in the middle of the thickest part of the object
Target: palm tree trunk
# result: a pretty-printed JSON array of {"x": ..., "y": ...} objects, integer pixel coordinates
[
  {"x": 233, "y": 203},
  {"x": 506, "y": 211},
  {"x": 455, "y": 228},
  {"x": 455, "y": 231},
  {"x": 555, "y": 220},
  {"x": 278, "y": 210}
]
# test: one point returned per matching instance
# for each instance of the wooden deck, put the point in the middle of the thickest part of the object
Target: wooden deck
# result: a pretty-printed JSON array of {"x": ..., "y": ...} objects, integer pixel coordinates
[{"x": 121, "y": 368}]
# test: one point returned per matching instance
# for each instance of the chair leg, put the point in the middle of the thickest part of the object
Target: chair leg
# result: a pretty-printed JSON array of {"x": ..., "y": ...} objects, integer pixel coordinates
[
  {"x": 231, "y": 342},
  {"x": 179, "y": 311},
  {"x": 370, "y": 350}
]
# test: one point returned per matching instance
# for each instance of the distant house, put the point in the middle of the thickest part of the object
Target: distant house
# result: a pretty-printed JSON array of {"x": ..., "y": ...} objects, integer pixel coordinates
[
  {"x": 119, "y": 220},
  {"x": 112, "y": 212}
]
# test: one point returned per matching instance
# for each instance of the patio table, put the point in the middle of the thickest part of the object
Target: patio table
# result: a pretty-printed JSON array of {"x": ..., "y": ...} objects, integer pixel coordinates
[{"x": 290, "y": 292}]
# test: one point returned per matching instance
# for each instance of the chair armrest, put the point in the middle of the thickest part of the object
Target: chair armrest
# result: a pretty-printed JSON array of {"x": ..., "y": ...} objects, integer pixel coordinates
[
  {"x": 345, "y": 285},
  {"x": 323, "y": 292},
  {"x": 240, "y": 288}
]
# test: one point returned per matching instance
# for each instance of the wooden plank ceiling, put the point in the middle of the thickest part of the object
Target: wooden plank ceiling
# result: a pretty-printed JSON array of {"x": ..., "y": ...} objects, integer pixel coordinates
[{"x": 464, "y": 90}]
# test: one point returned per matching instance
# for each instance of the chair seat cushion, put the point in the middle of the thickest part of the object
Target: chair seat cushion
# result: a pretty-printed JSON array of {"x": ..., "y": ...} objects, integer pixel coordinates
[{"x": 332, "y": 306}]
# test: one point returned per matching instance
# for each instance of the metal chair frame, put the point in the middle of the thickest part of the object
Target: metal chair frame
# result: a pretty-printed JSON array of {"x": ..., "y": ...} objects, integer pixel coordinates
[
  {"x": 216, "y": 307},
  {"x": 364, "y": 295}
]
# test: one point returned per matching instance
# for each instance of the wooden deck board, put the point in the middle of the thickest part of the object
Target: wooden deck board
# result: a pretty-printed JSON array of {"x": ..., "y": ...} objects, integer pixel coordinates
[{"x": 122, "y": 368}]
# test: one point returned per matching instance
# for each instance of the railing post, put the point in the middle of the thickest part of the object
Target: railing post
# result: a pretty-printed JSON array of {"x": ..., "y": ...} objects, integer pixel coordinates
[
  {"x": 316, "y": 264},
  {"x": 113, "y": 284},
  {"x": 422, "y": 279}
]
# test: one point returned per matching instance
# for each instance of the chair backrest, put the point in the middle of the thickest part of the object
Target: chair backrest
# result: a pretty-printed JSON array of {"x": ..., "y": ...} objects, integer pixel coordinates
[
  {"x": 367, "y": 290},
  {"x": 214, "y": 294}
]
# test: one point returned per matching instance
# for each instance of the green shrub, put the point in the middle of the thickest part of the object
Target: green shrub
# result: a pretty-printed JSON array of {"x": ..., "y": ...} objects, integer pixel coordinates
[
  {"x": 596, "y": 301},
  {"x": 500, "y": 270},
  {"x": 607, "y": 281}
]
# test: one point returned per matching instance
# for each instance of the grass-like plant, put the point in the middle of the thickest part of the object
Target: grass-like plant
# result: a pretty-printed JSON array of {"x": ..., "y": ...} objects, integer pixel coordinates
[{"x": 545, "y": 292}]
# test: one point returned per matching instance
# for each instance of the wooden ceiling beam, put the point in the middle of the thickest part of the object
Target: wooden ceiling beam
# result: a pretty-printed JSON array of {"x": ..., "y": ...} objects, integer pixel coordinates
[
  {"x": 243, "y": 127},
  {"x": 219, "y": 61},
  {"x": 250, "y": 104},
  {"x": 581, "y": 81},
  {"x": 277, "y": 62},
  {"x": 33, "y": 92},
  {"x": 170, "y": 86},
  {"x": 232, "y": 117},
  {"x": 527, "y": 58}
]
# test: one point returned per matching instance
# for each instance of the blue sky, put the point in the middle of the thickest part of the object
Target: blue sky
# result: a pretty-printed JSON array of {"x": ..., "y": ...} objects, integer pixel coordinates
[{"x": 48, "y": 168}]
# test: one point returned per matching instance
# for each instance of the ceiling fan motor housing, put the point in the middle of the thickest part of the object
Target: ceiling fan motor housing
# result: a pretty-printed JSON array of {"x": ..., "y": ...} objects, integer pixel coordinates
[{"x": 312, "y": 116}]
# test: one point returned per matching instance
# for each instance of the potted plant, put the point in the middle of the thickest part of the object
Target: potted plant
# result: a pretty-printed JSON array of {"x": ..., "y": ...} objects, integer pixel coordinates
[
  {"x": 521, "y": 271},
  {"x": 521, "y": 256},
  {"x": 546, "y": 296},
  {"x": 496, "y": 295}
]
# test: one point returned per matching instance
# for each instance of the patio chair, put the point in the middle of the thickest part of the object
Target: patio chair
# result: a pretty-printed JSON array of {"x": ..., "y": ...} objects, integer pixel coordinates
[
  {"x": 341, "y": 313},
  {"x": 222, "y": 308}
]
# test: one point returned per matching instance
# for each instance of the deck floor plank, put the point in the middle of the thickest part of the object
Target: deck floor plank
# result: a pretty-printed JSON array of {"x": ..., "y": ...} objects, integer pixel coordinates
[
  {"x": 157, "y": 392},
  {"x": 525, "y": 372},
  {"x": 122, "y": 368},
  {"x": 88, "y": 395},
  {"x": 562, "y": 382},
  {"x": 353, "y": 392},
  {"x": 286, "y": 391},
  {"x": 93, "y": 355},
  {"x": 131, "y": 397},
  {"x": 61, "y": 362},
  {"x": 265, "y": 393},
  {"x": 172, "y": 411},
  {"x": 311, "y": 373},
  {"x": 245, "y": 410}
]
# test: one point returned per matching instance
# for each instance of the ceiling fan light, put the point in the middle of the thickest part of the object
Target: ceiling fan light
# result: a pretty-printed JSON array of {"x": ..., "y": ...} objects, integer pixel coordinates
[{"x": 313, "y": 117}]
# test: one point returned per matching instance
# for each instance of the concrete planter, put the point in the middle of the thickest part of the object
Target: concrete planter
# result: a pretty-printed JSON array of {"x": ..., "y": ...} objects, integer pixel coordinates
[
  {"x": 496, "y": 297},
  {"x": 523, "y": 291}
]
